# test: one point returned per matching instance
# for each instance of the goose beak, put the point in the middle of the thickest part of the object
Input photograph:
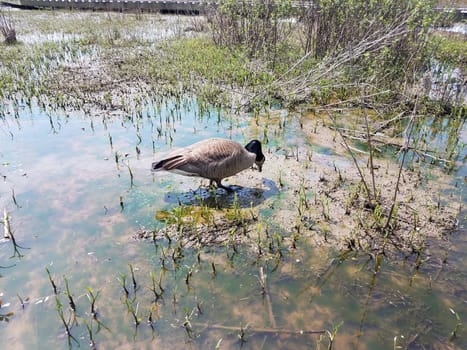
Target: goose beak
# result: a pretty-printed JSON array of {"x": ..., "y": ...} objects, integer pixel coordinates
[{"x": 260, "y": 165}]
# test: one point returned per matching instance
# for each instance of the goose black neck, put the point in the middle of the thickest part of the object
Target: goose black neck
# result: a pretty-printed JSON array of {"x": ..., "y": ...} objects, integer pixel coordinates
[{"x": 254, "y": 146}]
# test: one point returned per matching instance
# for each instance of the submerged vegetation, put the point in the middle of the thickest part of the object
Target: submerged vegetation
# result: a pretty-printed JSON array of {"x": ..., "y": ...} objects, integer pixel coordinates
[{"x": 361, "y": 115}]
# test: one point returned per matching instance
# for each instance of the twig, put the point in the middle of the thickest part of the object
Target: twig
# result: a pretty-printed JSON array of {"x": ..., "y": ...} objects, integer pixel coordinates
[
  {"x": 387, "y": 122},
  {"x": 404, "y": 149},
  {"x": 7, "y": 28},
  {"x": 347, "y": 130},
  {"x": 425, "y": 153},
  {"x": 352, "y": 99},
  {"x": 259, "y": 329},
  {"x": 374, "y": 42},
  {"x": 355, "y": 149},
  {"x": 354, "y": 159},
  {"x": 370, "y": 148},
  {"x": 263, "y": 282}
]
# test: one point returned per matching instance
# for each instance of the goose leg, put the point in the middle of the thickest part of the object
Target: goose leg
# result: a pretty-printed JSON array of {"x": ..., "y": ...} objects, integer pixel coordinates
[
  {"x": 212, "y": 186},
  {"x": 219, "y": 184}
]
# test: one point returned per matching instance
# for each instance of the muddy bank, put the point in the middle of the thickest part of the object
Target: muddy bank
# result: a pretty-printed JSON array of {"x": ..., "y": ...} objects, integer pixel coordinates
[{"x": 320, "y": 198}]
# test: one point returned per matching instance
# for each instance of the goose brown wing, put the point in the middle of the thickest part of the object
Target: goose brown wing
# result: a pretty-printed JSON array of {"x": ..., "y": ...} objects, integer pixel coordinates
[
  {"x": 212, "y": 158},
  {"x": 170, "y": 163},
  {"x": 215, "y": 151},
  {"x": 183, "y": 160},
  {"x": 216, "y": 158}
]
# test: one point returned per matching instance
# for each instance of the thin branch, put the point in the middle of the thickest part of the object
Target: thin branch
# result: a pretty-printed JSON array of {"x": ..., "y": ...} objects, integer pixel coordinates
[
  {"x": 353, "y": 99},
  {"x": 262, "y": 279},
  {"x": 370, "y": 148},
  {"x": 405, "y": 150},
  {"x": 354, "y": 159},
  {"x": 259, "y": 329}
]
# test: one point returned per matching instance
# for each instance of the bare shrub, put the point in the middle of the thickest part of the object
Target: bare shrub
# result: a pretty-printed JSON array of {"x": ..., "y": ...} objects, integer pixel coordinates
[
  {"x": 351, "y": 47},
  {"x": 198, "y": 24},
  {"x": 381, "y": 44},
  {"x": 7, "y": 28},
  {"x": 258, "y": 26}
]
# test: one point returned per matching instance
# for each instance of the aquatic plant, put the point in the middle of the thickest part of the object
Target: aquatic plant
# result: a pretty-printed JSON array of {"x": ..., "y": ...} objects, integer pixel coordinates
[
  {"x": 332, "y": 334},
  {"x": 133, "y": 279},
  {"x": 66, "y": 324},
  {"x": 52, "y": 282},
  {"x": 157, "y": 294},
  {"x": 92, "y": 299},
  {"x": 132, "y": 308},
  {"x": 8, "y": 235},
  {"x": 70, "y": 297},
  {"x": 453, "y": 334}
]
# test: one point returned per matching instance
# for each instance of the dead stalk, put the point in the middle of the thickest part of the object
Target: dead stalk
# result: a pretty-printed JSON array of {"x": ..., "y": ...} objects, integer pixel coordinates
[
  {"x": 7, "y": 28},
  {"x": 133, "y": 279},
  {"x": 51, "y": 281},
  {"x": 258, "y": 329},
  {"x": 354, "y": 159},
  {"x": 405, "y": 150},
  {"x": 70, "y": 297},
  {"x": 370, "y": 148},
  {"x": 264, "y": 291}
]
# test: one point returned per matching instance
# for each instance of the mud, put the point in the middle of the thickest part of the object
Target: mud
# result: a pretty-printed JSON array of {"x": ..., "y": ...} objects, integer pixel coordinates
[{"x": 320, "y": 197}]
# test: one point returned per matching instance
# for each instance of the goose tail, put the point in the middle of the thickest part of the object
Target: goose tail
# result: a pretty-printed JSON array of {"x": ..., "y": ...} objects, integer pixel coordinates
[{"x": 168, "y": 163}]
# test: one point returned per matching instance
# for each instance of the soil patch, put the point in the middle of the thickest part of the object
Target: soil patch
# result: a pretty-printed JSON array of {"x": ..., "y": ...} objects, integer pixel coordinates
[{"x": 320, "y": 198}]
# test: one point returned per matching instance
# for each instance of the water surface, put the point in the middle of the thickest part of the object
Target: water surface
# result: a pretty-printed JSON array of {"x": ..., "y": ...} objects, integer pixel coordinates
[{"x": 77, "y": 187}]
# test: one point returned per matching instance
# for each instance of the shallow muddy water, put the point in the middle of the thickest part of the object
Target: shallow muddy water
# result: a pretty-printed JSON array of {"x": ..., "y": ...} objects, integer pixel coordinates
[{"x": 77, "y": 187}]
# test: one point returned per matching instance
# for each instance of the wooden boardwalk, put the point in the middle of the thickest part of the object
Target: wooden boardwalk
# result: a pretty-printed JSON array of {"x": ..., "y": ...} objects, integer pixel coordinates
[
  {"x": 115, "y": 5},
  {"x": 184, "y": 6}
]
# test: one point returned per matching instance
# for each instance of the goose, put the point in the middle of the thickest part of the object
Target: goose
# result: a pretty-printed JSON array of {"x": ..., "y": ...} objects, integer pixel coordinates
[{"x": 213, "y": 159}]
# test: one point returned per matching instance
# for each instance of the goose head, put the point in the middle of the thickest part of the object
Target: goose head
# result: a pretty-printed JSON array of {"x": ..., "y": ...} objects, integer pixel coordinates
[{"x": 254, "y": 146}]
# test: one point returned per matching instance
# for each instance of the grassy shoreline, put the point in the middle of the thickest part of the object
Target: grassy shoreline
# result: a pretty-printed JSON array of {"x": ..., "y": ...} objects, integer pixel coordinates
[{"x": 181, "y": 60}]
